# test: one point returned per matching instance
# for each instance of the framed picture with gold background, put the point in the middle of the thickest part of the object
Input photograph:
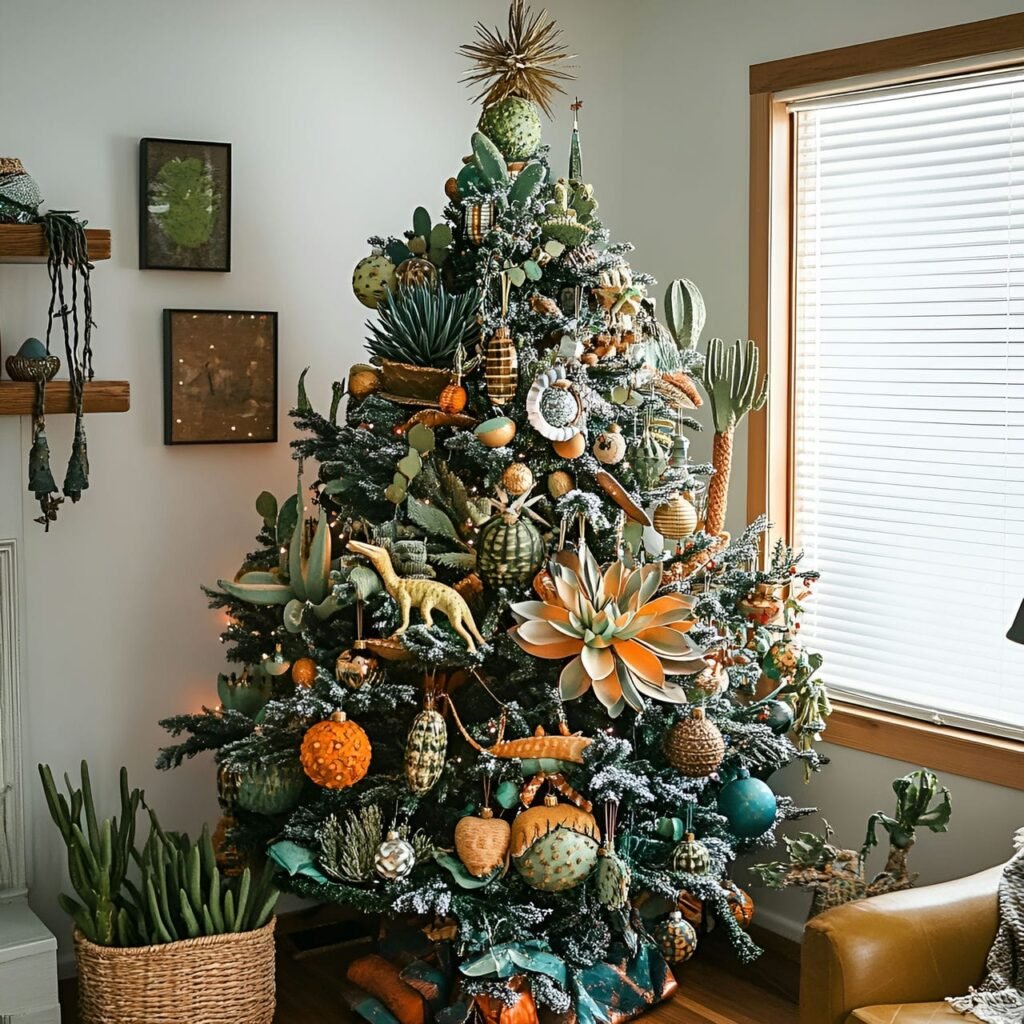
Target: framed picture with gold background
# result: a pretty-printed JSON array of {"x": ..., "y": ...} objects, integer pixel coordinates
[{"x": 220, "y": 376}]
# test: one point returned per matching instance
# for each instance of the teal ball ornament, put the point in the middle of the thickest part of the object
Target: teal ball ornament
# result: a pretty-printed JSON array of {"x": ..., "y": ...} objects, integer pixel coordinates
[{"x": 749, "y": 805}]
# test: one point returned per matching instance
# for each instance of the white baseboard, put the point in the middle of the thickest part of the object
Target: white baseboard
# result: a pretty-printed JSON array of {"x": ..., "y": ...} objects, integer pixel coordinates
[{"x": 780, "y": 924}]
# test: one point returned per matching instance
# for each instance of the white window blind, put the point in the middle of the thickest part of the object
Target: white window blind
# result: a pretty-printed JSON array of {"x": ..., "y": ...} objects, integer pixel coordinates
[{"x": 908, "y": 483}]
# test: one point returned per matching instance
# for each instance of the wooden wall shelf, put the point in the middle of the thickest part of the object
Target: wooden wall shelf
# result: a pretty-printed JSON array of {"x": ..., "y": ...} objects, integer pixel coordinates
[
  {"x": 24, "y": 243},
  {"x": 18, "y": 399}
]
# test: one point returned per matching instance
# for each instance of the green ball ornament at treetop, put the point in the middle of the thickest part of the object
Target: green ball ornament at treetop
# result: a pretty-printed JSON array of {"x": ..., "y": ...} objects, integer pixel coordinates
[
  {"x": 373, "y": 278},
  {"x": 513, "y": 125},
  {"x": 749, "y": 805},
  {"x": 782, "y": 659}
]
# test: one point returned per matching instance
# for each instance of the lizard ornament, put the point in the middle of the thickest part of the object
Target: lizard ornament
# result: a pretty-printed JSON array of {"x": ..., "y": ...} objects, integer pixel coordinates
[{"x": 426, "y": 595}]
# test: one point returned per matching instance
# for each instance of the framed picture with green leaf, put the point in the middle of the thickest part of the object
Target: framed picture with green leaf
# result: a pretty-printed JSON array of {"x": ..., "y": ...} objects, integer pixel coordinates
[{"x": 184, "y": 205}]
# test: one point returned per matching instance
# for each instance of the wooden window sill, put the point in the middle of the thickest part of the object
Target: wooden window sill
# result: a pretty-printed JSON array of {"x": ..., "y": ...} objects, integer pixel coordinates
[{"x": 941, "y": 748}]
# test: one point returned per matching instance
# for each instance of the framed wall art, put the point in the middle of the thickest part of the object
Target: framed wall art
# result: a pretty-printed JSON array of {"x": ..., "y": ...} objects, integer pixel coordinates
[
  {"x": 220, "y": 376},
  {"x": 184, "y": 205}
]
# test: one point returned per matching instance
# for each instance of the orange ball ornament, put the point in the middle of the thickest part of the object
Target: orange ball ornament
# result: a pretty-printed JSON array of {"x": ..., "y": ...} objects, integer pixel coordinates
[
  {"x": 453, "y": 398},
  {"x": 304, "y": 672},
  {"x": 336, "y": 754}
]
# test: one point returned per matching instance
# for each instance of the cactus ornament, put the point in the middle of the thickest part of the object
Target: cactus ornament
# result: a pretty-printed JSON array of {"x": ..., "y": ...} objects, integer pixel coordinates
[{"x": 730, "y": 379}]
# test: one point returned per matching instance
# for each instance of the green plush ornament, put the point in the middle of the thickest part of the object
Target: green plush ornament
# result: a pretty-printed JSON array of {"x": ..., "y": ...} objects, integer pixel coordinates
[{"x": 513, "y": 125}]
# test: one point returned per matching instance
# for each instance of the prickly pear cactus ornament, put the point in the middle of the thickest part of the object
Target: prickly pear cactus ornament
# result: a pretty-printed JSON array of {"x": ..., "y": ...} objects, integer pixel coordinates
[
  {"x": 373, "y": 278},
  {"x": 676, "y": 938},
  {"x": 691, "y": 856},
  {"x": 554, "y": 847},
  {"x": 394, "y": 858},
  {"x": 612, "y": 879},
  {"x": 425, "y": 750}
]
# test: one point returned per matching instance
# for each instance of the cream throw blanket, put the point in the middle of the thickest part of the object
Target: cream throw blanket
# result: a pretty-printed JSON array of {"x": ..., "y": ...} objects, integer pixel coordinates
[{"x": 1000, "y": 997}]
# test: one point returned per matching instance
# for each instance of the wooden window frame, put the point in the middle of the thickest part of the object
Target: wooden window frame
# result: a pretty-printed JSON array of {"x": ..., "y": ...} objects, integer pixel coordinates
[{"x": 980, "y": 45}]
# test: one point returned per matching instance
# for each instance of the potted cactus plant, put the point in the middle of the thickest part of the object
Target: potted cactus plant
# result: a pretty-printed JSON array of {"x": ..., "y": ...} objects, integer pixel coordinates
[{"x": 161, "y": 934}]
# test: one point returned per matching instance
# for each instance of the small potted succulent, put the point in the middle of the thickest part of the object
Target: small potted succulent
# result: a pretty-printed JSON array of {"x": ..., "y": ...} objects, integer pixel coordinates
[{"x": 161, "y": 934}]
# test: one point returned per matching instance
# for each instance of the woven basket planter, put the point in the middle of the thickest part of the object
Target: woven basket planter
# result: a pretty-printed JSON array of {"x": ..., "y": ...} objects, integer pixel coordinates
[{"x": 217, "y": 979}]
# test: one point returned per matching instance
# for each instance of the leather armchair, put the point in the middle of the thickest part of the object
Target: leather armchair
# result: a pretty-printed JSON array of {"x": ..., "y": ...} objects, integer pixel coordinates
[{"x": 893, "y": 959}]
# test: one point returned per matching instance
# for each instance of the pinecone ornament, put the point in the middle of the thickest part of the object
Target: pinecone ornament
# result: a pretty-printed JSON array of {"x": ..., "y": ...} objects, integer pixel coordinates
[
  {"x": 425, "y": 750},
  {"x": 613, "y": 878},
  {"x": 694, "y": 746},
  {"x": 676, "y": 938},
  {"x": 394, "y": 858},
  {"x": 691, "y": 856}
]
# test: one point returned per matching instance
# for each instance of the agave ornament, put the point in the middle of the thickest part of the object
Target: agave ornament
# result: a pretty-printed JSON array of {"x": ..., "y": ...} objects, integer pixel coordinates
[{"x": 624, "y": 641}]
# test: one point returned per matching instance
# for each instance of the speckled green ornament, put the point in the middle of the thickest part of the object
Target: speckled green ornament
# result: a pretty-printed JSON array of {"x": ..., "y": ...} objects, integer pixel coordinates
[
  {"x": 274, "y": 789},
  {"x": 373, "y": 278},
  {"x": 554, "y": 846},
  {"x": 612, "y": 880},
  {"x": 513, "y": 125}
]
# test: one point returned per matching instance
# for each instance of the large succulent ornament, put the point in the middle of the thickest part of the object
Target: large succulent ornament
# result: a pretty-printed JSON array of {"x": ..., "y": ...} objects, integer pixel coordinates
[{"x": 625, "y": 643}]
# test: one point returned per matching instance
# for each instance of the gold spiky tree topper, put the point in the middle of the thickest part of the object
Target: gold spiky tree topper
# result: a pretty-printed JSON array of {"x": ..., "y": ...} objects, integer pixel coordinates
[{"x": 523, "y": 62}]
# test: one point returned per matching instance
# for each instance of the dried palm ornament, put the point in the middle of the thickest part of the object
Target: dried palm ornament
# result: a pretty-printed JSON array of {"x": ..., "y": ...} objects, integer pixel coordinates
[
  {"x": 71, "y": 305},
  {"x": 523, "y": 62}
]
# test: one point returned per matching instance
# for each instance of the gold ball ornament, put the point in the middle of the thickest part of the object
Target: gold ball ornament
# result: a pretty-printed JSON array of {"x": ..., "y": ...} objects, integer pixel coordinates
[
  {"x": 694, "y": 746},
  {"x": 373, "y": 278},
  {"x": 560, "y": 483},
  {"x": 676, "y": 938},
  {"x": 610, "y": 446},
  {"x": 572, "y": 448},
  {"x": 416, "y": 272},
  {"x": 554, "y": 846},
  {"x": 517, "y": 478},
  {"x": 741, "y": 905},
  {"x": 304, "y": 672},
  {"x": 482, "y": 843},
  {"x": 394, "y": 858},
  {"x": 357, "y": 669},
  {"x": 336, "y": 754},
  {"x": 676, "y": 518}
]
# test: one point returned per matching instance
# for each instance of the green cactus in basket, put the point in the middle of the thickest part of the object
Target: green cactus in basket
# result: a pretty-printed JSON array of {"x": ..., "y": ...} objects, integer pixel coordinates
[
  {"x": 178, "y": 891},
  {"x": 730, "y": 380},
  {"x": 424, "y": 326}
]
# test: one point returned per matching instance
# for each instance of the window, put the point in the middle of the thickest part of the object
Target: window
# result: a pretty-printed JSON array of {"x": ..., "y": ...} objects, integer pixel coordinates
[
  {"x": 886, "y": 293},
  {"x": 908, "y": 387}
]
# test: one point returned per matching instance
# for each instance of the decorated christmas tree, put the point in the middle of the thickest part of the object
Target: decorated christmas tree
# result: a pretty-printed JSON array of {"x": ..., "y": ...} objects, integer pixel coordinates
[{"x": 504, "y": 677}]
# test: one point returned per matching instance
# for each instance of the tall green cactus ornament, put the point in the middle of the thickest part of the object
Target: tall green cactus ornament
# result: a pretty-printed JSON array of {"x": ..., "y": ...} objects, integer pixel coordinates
[{"x": 730, "y": 380}]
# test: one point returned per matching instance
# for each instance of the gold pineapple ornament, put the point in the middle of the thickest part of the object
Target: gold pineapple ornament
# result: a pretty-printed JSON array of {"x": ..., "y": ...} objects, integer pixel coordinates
[{"x": 694, "y": 746}]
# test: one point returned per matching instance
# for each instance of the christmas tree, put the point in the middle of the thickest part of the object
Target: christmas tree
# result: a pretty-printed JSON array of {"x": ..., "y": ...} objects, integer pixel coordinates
[{"x": 503, "y": 670}]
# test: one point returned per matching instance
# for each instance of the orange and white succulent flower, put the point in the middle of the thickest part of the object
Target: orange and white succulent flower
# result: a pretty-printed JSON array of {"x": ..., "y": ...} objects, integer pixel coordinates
[{"x": 625, "y": 643}]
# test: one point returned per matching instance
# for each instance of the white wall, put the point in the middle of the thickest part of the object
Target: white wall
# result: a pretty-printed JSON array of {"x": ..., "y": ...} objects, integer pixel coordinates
[
  {"x": 343, "y": 117},
  {"x": 689, "y": 95}
]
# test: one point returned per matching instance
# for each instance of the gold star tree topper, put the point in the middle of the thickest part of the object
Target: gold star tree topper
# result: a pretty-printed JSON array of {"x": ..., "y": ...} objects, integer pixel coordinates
[{"x": 523, "y": 62}]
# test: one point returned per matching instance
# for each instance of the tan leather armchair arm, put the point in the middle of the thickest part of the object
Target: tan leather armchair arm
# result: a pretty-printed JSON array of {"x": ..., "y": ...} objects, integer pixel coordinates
[{"x": 915, "y": 946}]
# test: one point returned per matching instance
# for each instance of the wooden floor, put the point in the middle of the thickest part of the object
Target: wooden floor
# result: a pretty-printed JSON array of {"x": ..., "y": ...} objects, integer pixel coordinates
[{"x": 714, "y": 988}]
